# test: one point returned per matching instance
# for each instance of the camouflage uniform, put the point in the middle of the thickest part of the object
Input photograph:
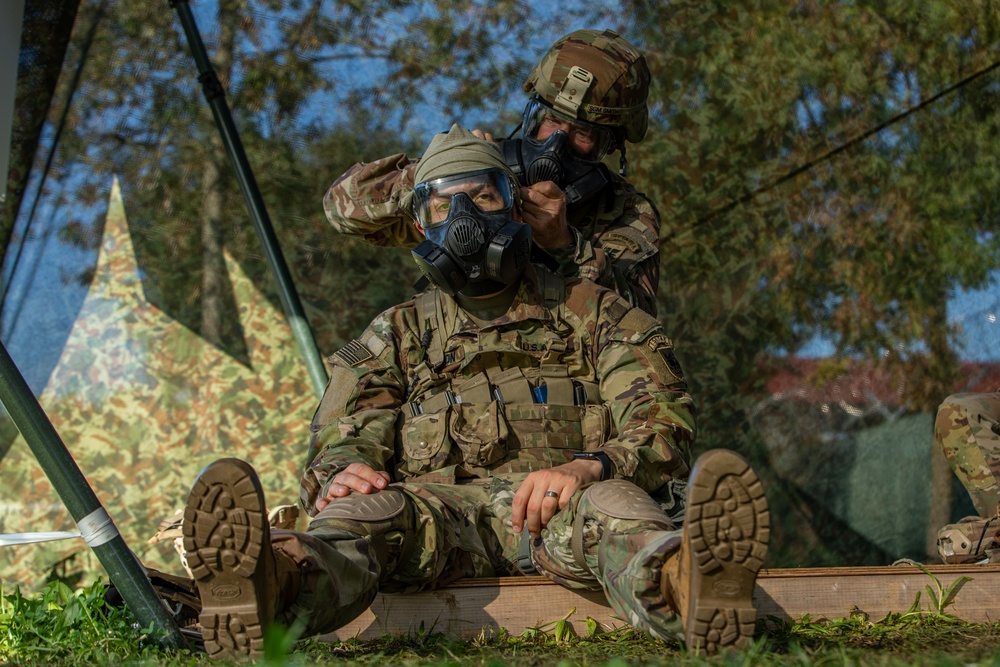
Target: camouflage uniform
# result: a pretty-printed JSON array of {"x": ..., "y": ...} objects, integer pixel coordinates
[
  {"x": 968, "y": 432},
  {"x": 427, "y": 407},
  {"x": 372, "y": 201}
]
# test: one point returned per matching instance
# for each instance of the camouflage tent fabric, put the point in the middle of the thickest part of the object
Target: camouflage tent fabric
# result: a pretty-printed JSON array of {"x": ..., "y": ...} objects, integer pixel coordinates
[{"x": 143, "y": 404}]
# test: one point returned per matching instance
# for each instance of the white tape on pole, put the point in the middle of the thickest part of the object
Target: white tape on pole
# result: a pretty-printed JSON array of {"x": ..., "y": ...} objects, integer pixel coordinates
[{"x": 97, "y": 528}]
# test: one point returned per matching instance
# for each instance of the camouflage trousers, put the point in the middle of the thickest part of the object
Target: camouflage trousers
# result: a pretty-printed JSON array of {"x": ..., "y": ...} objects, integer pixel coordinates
[
  {"x": 967, "y": 430},
  {"x": 432, "y": 534}
]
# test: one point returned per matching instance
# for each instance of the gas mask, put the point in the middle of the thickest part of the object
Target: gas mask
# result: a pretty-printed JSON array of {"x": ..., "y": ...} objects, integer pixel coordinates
[
  {"x": 473, "y": 244},
  {"x": 552, "y": 159}
]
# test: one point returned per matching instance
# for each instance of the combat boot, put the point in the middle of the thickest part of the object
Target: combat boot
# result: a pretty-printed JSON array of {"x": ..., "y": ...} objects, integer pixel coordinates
[
  {"x": 971, "y": 540},
  {"x": 710, "y": 580},
  {"x": 242, "y": 582}
]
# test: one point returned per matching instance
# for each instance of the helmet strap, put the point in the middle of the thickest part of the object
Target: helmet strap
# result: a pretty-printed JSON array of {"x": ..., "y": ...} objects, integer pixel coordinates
[{"x": 622, "y": 162}]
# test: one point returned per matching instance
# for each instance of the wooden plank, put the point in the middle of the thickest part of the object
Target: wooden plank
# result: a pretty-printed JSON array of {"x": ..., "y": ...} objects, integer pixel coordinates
[{"x": 468, "y": 608}]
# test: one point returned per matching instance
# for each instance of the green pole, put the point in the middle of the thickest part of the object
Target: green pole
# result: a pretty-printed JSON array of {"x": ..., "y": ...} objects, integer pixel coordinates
[
  {"x": 95, "y": 525},
  {"x": 216, "y": 96}
]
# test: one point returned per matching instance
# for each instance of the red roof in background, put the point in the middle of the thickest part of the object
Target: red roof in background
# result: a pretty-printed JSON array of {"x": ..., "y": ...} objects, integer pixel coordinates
[{"x": 861, "y": 383}]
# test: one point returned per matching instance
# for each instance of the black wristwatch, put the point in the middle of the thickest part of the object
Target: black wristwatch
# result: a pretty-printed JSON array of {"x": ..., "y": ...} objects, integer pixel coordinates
[{"x": 597, "y": 456}]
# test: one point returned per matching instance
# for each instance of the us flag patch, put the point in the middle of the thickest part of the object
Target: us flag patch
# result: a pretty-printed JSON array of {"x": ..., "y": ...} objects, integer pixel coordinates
[{"x": 354, "y": 353}]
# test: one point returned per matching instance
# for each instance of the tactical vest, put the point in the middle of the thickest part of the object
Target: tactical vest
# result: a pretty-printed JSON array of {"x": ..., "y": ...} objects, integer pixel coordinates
[{"x": 470, "y": 416}]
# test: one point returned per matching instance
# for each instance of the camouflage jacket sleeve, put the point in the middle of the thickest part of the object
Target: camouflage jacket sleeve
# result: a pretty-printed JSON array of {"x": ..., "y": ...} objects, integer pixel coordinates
[
  {"x": 618, "y": 246},
  {"x": 373, "y": 201},
  {"x": 652, "y": 416},
  {"x": 355, "y": 420}
]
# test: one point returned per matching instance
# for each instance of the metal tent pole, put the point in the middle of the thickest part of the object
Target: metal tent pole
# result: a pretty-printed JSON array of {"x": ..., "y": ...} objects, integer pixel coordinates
[{"x": 216, "y": 96}]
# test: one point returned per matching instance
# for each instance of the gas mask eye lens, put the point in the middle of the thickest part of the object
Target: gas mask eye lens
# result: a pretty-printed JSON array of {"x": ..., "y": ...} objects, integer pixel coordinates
[
  {"x": 489, "y": 190},
  {"x": 586, "y": 141}
]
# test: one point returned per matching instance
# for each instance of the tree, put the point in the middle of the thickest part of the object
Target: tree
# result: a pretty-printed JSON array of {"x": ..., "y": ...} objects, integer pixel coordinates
[{"x": 865, "y": 245}]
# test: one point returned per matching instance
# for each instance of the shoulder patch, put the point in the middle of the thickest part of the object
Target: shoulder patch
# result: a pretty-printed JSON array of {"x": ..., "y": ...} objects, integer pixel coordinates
[
  {"x": 354, "y": 353},
  {"x": 662, "y": 347},
  {"x": 615, "y": 243},
  {"x": 375, "y": 344}
]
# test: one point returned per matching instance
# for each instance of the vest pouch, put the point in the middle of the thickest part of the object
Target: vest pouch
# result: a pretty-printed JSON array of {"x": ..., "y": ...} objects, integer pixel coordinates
[
  {"x": 546, "y": 435},
  {"x": 479, "y": 432},
  {"x": 425, "y": 442},
  {"x": 597, "y": 426}
]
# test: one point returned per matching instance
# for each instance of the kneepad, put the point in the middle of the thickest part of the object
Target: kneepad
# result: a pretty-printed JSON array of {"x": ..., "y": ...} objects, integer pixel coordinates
[
  {"x": 358, "y": 511},
  {"x": 620, "y": 507},
  {"x": 618, "y": 499}
]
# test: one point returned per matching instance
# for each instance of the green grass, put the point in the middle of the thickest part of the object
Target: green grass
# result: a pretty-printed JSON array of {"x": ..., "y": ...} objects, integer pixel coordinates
[{"x": 60, "y": 626}]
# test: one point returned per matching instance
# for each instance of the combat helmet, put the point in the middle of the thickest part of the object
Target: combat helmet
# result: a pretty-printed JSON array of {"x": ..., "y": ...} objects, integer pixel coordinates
[{"x": 596, "y": 77}]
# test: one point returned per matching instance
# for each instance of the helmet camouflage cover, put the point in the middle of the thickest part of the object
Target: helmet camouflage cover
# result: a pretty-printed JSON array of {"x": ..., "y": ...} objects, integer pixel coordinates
[{"x": 596, "y": 77}]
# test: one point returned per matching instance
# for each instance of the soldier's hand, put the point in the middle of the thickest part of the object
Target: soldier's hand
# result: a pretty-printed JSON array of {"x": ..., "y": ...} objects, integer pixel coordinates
[
  {"x": 543, "y": 206},
  {"x": 531, "y": 505},
  {"x": 357, "y": 477},
  {"x": 485, "y": 136}
]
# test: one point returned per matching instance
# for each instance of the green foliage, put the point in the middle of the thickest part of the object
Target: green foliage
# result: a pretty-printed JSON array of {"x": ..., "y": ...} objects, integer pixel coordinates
[
  {"x": 940, "y": 597},
  {"x": 60, "y": 623},
  {"x": 59, "y": 626}
]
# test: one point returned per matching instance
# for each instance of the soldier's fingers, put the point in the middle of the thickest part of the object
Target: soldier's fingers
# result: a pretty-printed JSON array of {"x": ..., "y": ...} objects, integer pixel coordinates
[
  {"x": 532, "y": 197},
  {"x": 519, "y": 505},
  {"x": 352, "y": 482},
  {"x": 378, "y": 479},
  {"x": 548, "y": 189},
  {"x": 551, "y": 503},
  {"x": 540, "y": 509},
  {"x": 479, "y": 134}
]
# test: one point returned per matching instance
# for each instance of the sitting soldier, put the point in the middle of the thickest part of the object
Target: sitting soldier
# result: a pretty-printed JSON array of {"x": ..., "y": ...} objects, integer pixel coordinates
[{"x": 505, "y": 421}]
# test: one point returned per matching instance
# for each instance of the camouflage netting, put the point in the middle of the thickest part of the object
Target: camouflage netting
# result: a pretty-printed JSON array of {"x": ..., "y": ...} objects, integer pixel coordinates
[
  {"x": 827, "y": 174},
  {"x": 145, "y": 404}
]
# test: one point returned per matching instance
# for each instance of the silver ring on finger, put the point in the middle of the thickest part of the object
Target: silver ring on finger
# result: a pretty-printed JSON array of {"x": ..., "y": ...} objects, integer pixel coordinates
[{"x": 551, "y": 494}]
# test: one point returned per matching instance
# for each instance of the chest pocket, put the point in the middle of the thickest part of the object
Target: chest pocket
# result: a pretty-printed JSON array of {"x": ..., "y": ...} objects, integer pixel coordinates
[
  {"x": 545, "y": 435},
  {"x": 473, "y": 435}
]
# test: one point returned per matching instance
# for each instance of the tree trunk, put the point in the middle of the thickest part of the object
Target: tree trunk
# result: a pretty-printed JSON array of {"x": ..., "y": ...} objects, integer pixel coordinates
[{"x": 213, "y": 281}]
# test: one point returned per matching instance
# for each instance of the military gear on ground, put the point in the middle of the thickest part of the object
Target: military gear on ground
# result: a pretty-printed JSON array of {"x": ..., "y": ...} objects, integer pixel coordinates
[
  {"x": 973, "y": 539},
  {"x": 180, "y": 597},
  {"x": 967, "y": 428},
  {"x": 551, "y": 159},
  {"x": 596, "y": 77}
]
